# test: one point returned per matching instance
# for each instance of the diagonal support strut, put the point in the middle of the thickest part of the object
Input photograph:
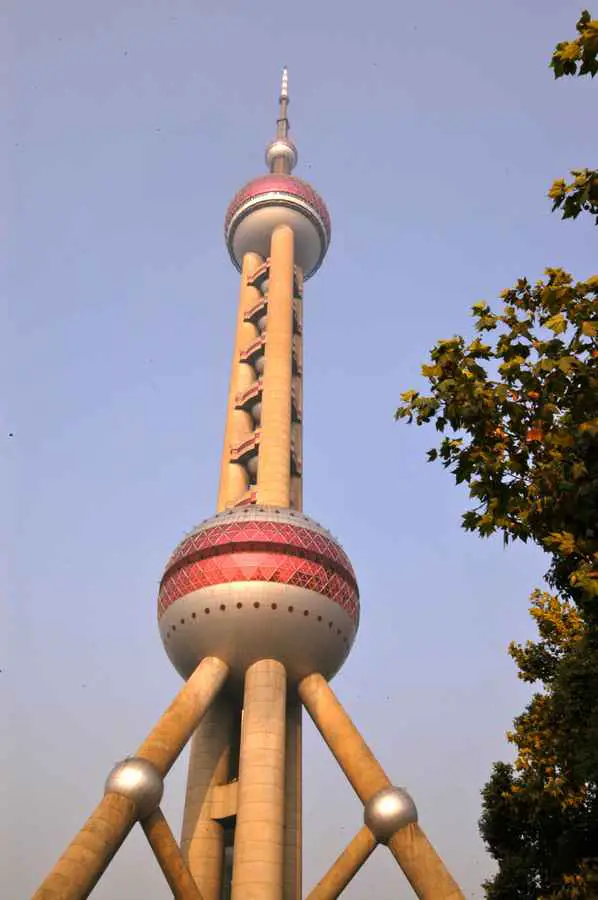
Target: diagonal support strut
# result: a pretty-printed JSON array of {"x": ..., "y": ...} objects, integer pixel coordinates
[
  {"x": 346, "y": 866},
  {"x": 169, "y": 856},
  {"x": 85, "y": 859},
  {"x": 420, "y": 863}
]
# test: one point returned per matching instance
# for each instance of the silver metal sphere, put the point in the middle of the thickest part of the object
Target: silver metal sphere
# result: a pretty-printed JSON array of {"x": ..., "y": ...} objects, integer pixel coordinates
[
  {"x": 251, "y": 465},
  {"x": 282, "y": 148},
  {"x": 265, "y": 287},
  {"x": 388, "y": 811},
  {"x": 261, "y": 323},
  {"x": 256, "y": 412},
  {"x": 139, "y": 780},
  {"x": 259, "y": 364}
]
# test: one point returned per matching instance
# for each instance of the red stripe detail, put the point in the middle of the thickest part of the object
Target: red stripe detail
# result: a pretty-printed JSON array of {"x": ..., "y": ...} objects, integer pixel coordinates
[
  {"x": 271, "y": 567},
  {"x": 273, "y": 535},
  {"x": 286, "y": 184}
]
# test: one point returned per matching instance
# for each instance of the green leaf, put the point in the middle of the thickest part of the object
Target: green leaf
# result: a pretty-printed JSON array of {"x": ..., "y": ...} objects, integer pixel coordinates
[{"x": 566, "y": 364}]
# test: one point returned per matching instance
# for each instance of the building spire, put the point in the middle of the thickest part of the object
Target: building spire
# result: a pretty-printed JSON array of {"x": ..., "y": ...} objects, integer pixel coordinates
[
  {"x": 282, "y": 124},
  {"x": 281, "y": 153}
]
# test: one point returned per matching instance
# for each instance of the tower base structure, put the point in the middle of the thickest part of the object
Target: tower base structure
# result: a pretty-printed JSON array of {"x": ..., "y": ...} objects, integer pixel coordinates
[{"x": 242, "y": 838}]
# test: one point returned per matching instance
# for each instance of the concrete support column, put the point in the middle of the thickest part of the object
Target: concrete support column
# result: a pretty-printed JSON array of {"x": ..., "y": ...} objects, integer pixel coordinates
[
  {"x": 202, "y": 840},
  {"x": 353, "y": 755},
  {"x": 274, "y": 468},
  {"x": 85, "y": 859},
  {"x": 422, "y": 866},
  {"x": 259, "y": 835},
  {"x": 345, "y": 867},
  {"x": 167, "y": 852},
  {"x": 297, "y": 427},
  {"x": 424, "y": 869},
  {"x": 164, "y": 743},
  {"x": 233, "y": 479},
  {"x": 293, "y": 844}
]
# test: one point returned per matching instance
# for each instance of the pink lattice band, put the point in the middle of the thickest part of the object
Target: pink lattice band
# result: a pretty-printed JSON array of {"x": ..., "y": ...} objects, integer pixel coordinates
[
  {"x": 259, "y": 565},
  {"x": 274, "y": 535},
  {"x": 282, "y": 184}
]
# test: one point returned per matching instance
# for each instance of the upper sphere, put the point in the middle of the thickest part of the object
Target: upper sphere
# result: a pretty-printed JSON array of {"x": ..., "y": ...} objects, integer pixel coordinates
[{"x": 277, "y": 199}]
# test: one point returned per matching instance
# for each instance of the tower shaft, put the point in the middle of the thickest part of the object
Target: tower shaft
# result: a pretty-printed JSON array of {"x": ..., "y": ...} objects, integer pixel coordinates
[
  {"x": 210, "y": 760},
  {"x": 293, "y": 825},
  {"x": 274, "y": 467},
  {"x": 258, "y": 872},
  {"x": 261, "y": 457},
  {"x": 234, "y": 479}
]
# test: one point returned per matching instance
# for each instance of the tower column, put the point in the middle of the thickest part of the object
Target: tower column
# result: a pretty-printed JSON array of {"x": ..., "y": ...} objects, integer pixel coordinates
[
  {"x": 297, "y": 426},
  {"x": 293, "y": 812},
  {"x": 169, "y": 857},
  {"x": 274, "y": 466},
  {"x": 202, "y": 839},
  {"x": 233, "y": 477},
  {"x": 346, "y": 866},
  {"x": 259, "y": 835},
  {"x": 420, "y": 863},
  {"x": 77, "y": 871}
]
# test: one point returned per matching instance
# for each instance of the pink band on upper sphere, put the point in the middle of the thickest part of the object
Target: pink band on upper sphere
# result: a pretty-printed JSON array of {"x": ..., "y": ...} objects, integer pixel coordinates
[{"x": 283, "y": 184}]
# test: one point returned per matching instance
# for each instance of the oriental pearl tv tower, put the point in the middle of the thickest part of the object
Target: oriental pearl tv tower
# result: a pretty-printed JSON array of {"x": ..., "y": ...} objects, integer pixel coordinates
[{"x": 258, "y": 609}]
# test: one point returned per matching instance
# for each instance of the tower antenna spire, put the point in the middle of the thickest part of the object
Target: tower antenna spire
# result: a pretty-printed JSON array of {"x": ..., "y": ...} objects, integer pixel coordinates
[
  {"x": 281, "y": 153},
  {"x": 282, "y": 124}
]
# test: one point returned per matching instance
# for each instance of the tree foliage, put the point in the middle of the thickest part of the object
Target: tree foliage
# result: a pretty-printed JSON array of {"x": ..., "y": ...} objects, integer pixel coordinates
[
  {"x": 577, "y": 57},
  {"x": 580, "y": 56},
  {"x": 540, "y": 814},
  {"x": 516, "y": 408},
  {"x": 579, "y": 195}
]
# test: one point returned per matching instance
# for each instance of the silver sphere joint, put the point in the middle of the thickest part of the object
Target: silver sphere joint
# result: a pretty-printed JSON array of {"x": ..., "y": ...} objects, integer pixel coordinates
[
  {"x": 282, "y": 148},
  {"x": 251, "y": 465},
  {"x": 256, "y": 412},
  {"x": 139, "y": 780},
  {"x": 388, "y": 811}
]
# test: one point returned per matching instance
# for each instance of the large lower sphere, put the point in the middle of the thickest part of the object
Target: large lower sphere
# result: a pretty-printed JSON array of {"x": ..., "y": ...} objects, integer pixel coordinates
[{"x": 259, "y": 583}]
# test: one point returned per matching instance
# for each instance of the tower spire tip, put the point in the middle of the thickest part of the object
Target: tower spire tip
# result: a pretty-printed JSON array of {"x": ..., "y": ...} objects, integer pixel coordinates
[{"x": 281, "y": 153}]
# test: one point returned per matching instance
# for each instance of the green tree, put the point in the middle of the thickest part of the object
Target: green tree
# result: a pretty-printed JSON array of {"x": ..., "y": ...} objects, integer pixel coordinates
[
  {"x": 520, "y": 404},
  {"x": 577, "y": 57},
  {"x": 540, "y": 814},
  {"x": 516, "y": 405}
]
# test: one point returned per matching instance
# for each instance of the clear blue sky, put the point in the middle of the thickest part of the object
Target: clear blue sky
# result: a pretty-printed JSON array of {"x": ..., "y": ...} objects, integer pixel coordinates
[{"x": 433, "y": 131}]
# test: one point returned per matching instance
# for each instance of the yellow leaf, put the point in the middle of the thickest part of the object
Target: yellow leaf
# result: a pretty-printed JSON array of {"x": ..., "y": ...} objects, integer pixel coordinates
[
  {"x": 556, "y": 323},
  {"x": 570, "y": 51}
]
